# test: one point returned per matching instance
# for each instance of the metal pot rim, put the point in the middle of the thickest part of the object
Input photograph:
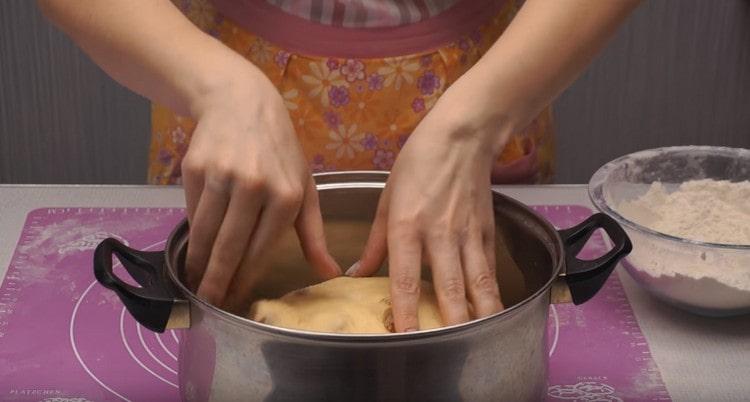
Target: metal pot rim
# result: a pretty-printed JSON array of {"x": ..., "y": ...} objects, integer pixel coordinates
[{"x": 179, "y": 235}]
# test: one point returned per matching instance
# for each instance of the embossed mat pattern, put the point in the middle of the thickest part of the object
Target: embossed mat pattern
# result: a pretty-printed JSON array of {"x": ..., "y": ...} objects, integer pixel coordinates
[{"x": 65, "y": 338}]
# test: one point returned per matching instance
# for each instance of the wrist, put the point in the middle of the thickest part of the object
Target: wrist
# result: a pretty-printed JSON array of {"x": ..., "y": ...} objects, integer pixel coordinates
[
  {"x": 467, "y": 116},
  {"x": 485, "y": 102},
  {"x": 230, "y": 84}
]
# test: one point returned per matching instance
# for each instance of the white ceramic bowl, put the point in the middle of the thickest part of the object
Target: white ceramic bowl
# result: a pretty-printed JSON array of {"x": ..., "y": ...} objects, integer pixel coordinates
[{"x": 669, "y": 267}]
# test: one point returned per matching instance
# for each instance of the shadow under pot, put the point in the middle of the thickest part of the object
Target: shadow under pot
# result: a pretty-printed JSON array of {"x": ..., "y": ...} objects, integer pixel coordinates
[{"x": 226, "y": 357}]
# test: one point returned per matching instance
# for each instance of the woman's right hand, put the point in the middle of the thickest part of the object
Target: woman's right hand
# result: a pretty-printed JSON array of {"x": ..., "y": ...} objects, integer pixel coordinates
[
  {"x": 246, "y": 182},
  {"x": 244, "y": 174}
]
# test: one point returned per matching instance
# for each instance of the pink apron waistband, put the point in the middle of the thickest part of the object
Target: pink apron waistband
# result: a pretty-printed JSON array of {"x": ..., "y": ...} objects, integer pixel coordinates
[{"x": 299, "y": 35}]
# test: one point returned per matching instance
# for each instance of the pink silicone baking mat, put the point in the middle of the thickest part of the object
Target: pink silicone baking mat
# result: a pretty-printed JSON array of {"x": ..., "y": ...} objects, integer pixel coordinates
[{"x": 63, "y": 337}]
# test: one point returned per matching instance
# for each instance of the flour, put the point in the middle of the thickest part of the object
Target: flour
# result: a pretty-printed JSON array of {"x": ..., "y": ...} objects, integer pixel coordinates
[
  {"x": 703, "y": 210},
  {"x": 700, "y": 210}
]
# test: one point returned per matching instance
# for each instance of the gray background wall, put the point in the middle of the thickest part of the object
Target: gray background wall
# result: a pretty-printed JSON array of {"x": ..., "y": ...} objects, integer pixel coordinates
[{"x": 677, "y": 73}]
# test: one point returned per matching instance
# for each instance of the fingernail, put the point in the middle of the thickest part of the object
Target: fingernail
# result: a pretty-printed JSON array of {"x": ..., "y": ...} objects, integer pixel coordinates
[
  {"x": 352, "y": 270},
  {"x": 410, "y": 330}
]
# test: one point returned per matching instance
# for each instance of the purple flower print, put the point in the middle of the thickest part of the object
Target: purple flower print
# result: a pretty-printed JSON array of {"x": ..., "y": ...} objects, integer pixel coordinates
[
  {"x": 332, "y": 64},
  {"x": 425, "y": 60},
  {"x": 476, "y": 36},
  {"x": 353, "y": 70},
  {"x": 339, "y": 96},
  {"x": 428, "y": 83},
  {"x": 417, "y": 105},
  {"x": 214, "y": 31},
  {"x": 375, "y": 82},
  {"x": 317, "y": 164},
  {"x": 370, "y": 141},
  {"x": 176, "y": 176},
  {"x": 178, "y": 135},
  {"x": 402, "y": 140},
  {"x": 383, "y": 159},
  {"x": 332, "y": 119},
  {"x": 165, "y": 157},
  {"x": 281, "y": 58},
  {"x": 463, "y": 44}
]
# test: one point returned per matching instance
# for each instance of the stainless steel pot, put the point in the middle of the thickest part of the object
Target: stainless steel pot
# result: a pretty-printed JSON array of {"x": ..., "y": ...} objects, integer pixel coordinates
[{"x": 224, "y": 357}]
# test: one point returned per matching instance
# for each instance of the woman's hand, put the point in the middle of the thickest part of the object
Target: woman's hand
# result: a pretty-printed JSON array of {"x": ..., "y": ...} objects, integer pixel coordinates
[
  {"x": 437, "y": 209},
  {"x": 436, "y": 206},
  {"x": 246, "y": 181},
  {"x": 244, "y": 174}
]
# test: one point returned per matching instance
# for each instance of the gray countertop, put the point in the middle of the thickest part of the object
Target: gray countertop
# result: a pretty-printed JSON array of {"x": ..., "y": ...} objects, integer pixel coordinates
[{"x": 700, "y": 358}]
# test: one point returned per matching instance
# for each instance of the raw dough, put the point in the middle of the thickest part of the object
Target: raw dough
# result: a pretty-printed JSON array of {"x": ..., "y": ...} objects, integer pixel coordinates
[{"x": 343, "y": 305}]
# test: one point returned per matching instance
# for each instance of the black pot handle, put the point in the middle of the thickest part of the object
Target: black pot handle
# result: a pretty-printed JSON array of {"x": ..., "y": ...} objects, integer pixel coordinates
[
  {"x": 585, "y": 278},
  {"x": 152, "y": 303}
]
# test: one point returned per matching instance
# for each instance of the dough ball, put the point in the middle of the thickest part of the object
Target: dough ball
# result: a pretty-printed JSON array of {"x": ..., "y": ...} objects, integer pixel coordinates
[{"x": 343, "y": 305}]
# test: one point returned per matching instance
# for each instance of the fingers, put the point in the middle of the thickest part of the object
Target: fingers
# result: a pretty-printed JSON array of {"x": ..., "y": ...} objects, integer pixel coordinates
[
  {"x": 404, "y": 262},
  {"x": 204, "y": 227},
  {"x": 278, "y": 214},
  {"x": 488, "y": 241},
  {"x": 309, "y": 226},
  {"x": 488, "y": 231},
  {"x": 489, "y": 247},
  {"x": 192, "y": 182},
  {"x": 275, "y": 219},
  {"x": 231, "y": 241},
  {"x": 488, "y": 244},
  {"x": 445, "y": 259},
  {"x": 481, "y": 283},
  {"x": 376, "y": 247}
]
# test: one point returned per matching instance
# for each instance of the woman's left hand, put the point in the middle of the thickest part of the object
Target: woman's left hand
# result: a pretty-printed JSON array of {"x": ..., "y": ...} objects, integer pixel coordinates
[{"x": 437, "y": 208}]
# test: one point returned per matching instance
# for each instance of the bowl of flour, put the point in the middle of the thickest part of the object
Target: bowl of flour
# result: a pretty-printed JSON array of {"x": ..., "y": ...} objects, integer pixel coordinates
[{"x": 687, "y": 212}]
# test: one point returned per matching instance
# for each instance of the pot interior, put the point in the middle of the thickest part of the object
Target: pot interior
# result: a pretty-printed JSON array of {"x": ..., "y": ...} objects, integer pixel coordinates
[{"x": 527, "y": 247}]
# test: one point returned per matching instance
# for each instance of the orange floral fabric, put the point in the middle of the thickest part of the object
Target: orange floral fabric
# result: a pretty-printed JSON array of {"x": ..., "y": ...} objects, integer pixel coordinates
[{"x": 355, "y": 114}]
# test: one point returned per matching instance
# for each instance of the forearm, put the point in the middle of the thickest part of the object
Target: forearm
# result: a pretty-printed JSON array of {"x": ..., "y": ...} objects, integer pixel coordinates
[
  {"x": 150, "y": 47},
  {"x": 545, "y": 48}
]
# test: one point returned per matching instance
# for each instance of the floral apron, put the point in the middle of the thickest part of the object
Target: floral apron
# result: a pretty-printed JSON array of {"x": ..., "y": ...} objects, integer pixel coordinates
[{"x": 356, "y": 113}]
